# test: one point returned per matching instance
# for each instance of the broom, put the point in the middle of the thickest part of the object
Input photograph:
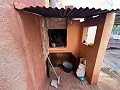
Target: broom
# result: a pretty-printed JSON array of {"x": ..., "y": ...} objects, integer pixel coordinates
[{"x": 58, "y": 77}]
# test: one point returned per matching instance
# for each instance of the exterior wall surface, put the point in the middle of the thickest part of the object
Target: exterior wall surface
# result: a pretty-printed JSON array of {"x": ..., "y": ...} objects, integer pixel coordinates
[
  {"x": 73, "y": 36},
  {"x": 28, "y": 3},
  {"x": 22, "y": 65},
  {"x": 94, "y": 55},
  {"x": 56, "y": 23},
  {"x": 32, "y": 41}
]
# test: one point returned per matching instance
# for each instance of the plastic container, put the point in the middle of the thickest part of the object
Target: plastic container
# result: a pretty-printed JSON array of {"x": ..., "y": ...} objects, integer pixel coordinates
[
  {"x": 53, "y": 45},
  {"x": 67, "y": 66},
  {"x": 81, "y": 78}
]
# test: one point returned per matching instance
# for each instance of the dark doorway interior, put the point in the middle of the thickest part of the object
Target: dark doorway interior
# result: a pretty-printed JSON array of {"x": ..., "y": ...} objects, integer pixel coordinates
[{"x": 57, "y": 37}]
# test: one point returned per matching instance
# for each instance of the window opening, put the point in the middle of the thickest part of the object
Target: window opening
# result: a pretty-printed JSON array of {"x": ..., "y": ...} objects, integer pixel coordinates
[
  {"x": 57, "y": 37},
  {"x": 89, "y": 34}
]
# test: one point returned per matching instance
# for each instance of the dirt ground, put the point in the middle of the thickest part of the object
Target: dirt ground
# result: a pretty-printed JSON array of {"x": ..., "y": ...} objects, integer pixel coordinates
[
  {"x": 109, "y": 78},
  {"x": 111, "y": 67},
  {"x": 112, "y": 59}
]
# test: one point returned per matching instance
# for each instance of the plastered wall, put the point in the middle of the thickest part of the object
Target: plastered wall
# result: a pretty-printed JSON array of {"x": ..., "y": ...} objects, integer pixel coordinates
[
  {"x": 28, "y": 3},
  {"x": 94, "y": 55},
  {"x": 22, "y": 63},
  {"x": 56, "y": 23},
  {"x": 33, "y": 46}
]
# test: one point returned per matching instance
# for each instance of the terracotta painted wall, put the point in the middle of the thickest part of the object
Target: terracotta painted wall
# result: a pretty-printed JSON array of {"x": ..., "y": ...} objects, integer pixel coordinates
[
  {"x": 73, "y": 39},
  {"x": 28, "y": 3},
  {"x": 32, "y": 41},
  {"x": 22, "y": 65},
  {"x": 94, "y": 55}
]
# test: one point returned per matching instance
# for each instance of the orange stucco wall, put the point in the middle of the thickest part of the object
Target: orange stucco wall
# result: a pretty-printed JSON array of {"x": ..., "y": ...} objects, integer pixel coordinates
[
  {"x": 35, "y": 65},
  {"x": 22, "y": 64},
  {"x": 94, "y": 55},
  {"x": 73, "y": 36},
  {"x": 28, "y": 3}
]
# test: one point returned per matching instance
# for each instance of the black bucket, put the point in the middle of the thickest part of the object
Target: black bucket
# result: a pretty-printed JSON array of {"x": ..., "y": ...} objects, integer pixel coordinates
[{"x": 67, "y": 66}]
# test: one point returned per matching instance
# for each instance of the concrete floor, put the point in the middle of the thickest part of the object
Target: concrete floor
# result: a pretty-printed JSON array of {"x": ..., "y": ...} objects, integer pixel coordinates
[{"x": 109, "y": 78}]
